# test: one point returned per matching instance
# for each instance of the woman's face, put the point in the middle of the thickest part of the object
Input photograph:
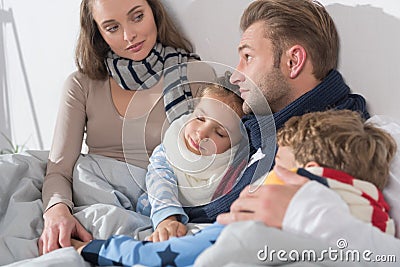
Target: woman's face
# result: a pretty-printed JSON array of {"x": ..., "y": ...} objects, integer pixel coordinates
[{"x": 127, "y": 26}]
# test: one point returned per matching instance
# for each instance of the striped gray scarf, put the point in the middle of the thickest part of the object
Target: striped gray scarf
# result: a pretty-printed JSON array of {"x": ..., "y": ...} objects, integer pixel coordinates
[{"x": 162, "y": 60}]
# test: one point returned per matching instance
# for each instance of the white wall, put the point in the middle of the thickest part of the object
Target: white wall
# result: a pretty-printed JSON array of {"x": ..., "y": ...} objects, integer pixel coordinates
[
  {"x": 370, "y": 39},
  {"x": 47, "y": 32}
]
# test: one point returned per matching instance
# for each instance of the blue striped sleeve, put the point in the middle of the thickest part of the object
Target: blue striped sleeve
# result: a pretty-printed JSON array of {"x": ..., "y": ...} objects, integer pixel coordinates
[
  {"x": 126, "y": 251},
  {"x": 162, "y": 189}
]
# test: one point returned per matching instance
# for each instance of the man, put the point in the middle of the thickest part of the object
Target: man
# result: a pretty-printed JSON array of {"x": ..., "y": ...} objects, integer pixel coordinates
[
  {"x": 289, "y": 48},
  {"x": 289, "y": 52}
]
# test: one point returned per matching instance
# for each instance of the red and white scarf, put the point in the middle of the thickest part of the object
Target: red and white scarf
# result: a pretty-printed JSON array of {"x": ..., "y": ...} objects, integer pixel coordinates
[{"x": 365, "y": 200}]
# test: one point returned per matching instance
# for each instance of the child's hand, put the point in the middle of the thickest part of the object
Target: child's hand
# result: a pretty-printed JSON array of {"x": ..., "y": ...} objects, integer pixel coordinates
[
  {"x": 78, "y": 245},
  {"x": 167, "y": 228}
]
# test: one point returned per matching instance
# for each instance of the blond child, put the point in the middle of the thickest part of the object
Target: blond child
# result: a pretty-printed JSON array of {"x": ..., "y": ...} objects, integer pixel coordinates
[{"x": 195, "y": 153}]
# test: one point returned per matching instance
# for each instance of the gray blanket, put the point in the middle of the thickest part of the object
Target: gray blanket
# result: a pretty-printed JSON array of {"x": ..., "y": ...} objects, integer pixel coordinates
[{"x": 105, "y": 191}]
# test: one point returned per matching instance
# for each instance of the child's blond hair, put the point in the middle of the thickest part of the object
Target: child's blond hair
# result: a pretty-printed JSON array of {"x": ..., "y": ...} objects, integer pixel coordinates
[
  {"x": 339, "y": 139},
  {"x": 223, "y": 88}
]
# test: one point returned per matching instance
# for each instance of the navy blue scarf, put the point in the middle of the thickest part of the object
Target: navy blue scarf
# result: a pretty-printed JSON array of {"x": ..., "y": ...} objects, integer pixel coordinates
[{"x": 331, "y": 93}]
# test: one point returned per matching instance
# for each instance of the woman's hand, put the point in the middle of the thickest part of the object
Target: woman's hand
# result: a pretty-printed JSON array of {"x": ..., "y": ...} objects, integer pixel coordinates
[
  {"x": 168, "y": 228},
  {"x": 59, "y": 226}
]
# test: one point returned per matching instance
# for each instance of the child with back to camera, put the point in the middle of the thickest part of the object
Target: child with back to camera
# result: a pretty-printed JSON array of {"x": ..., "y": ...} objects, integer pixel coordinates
[{"x": 339, "y": 150}]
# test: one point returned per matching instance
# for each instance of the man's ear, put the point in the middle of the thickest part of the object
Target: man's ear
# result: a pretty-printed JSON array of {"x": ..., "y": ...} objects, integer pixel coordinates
[
  {"x": 296, "y": 59},
  {"x": 311, "y": 164}
]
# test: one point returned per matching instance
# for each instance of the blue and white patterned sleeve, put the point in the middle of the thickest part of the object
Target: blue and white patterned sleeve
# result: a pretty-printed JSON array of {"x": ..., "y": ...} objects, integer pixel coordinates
[
  {"x": 176, "y": 251},
  {"x": 162, "y": 189}
]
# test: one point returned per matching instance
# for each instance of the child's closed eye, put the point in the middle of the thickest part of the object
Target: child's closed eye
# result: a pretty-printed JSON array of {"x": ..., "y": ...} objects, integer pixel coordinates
[
  {"x": 200, "y": 118},
  {"x": 221, "y": 133}
]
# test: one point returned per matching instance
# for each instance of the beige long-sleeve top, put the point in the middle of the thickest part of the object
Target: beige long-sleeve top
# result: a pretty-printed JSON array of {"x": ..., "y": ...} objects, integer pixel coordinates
[{"x": 87, "y": 104}]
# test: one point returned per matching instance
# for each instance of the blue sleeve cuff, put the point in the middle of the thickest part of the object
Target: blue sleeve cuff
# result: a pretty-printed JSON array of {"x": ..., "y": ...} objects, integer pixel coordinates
[
  {"x": 162, "y": 214},
  {"x": 91, "y": 251}
]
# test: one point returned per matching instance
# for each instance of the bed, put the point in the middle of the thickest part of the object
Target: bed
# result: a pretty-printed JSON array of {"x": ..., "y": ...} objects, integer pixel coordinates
[
  {"x": 22, "y": 174},
  {"x": 21, "y": 206}
]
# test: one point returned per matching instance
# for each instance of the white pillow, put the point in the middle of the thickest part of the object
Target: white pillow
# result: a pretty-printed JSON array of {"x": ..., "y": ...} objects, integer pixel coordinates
[{"x": 392, "y": 189}]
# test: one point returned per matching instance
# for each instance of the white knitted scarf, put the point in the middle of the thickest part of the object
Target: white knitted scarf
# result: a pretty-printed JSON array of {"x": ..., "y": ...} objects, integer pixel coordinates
[{"x": 198, "y": 176}]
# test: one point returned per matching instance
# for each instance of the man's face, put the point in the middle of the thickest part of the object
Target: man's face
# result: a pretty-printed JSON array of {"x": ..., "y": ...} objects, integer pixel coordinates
[{"x": 259, "y": 80}]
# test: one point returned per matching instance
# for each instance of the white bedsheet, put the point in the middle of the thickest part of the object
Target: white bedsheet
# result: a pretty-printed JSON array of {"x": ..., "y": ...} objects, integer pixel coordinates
[{"x": 104, "y": 190}]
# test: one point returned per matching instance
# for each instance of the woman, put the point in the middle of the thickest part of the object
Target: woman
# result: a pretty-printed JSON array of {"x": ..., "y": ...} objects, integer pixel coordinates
[{"x": 121, "y": 45}]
